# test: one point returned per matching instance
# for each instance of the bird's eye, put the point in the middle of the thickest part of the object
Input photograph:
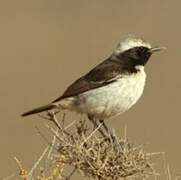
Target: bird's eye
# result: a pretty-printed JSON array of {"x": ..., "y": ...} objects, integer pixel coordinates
[{"x": 142, "y": 51}]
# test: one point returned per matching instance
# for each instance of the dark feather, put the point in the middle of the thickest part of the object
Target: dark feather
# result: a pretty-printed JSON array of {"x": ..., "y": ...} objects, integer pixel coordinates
[
  {"x": 39, "y": 109},
  {"x": 101, "y": 75},
  {"x": 108, "y": 71}
]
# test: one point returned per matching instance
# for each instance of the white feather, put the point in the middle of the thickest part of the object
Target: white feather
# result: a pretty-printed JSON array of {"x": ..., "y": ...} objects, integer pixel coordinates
[
  {"x": 129, "y": 43},
  {"x": 112, "y": 99}
]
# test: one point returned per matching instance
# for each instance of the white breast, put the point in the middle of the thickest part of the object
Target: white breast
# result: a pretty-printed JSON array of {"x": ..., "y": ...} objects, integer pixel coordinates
[{"x": 114, "y": 98}]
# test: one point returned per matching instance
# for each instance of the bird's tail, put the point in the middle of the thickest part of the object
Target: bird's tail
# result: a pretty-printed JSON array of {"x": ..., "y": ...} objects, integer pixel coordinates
[{"x": 39, "y": 109}]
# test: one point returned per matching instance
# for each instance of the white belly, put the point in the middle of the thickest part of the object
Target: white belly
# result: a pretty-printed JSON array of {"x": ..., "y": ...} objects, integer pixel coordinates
[{"x": 114, "y": 98}]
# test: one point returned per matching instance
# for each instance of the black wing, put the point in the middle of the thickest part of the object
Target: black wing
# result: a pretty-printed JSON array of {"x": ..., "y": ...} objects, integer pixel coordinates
[{"x": 101, "y": 75}]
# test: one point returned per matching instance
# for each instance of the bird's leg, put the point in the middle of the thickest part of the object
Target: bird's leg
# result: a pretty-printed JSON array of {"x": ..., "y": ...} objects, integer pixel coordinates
[
  {"x": 107, "y": 129},
  {"x": 104, "y": 125},
  {"x": 94, "y": 122}
]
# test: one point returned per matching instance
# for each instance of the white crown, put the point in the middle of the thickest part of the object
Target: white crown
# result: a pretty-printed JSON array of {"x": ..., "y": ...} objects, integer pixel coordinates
[{"x": 129, "y": 43}]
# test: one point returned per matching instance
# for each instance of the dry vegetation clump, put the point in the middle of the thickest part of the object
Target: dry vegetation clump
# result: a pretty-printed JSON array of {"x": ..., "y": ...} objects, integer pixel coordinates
[
  {"x": 95, "y": 153},
  {"x": 100, "y": 157}
]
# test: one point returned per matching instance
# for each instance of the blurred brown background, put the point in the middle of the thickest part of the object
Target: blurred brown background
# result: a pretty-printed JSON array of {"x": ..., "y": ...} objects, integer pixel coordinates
[{"x": 45, "y": 45}]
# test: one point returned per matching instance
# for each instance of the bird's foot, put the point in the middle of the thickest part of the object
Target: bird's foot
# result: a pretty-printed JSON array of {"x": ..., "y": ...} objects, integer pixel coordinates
[
  {"x": 104, "y": 125},
  {"x": 108, "y": 132},
  {"x": 96, "y": 125}
]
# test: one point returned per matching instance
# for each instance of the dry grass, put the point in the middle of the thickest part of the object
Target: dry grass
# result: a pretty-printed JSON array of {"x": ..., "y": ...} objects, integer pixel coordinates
[
  {"x": 99, "y": 157},
  {"x": 91, "y": 154}
]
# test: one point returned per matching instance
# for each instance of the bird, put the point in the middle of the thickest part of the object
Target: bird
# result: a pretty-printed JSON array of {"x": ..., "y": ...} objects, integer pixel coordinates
[{"x": 110, "y": 88}]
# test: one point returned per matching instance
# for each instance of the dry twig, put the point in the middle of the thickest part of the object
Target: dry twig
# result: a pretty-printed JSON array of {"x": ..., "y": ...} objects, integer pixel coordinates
[{"x": 101, "y": 156}]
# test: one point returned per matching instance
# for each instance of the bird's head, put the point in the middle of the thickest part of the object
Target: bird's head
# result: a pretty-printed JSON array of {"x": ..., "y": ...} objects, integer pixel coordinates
[{"x": 135, "y": 50}]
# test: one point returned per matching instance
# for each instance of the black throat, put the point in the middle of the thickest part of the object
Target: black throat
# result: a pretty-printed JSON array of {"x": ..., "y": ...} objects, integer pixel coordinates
[{"x": 128, "y": 60}]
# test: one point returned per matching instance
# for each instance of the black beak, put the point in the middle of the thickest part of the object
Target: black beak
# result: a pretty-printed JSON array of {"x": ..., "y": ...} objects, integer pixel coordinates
[{"x": 156, "y": 49}]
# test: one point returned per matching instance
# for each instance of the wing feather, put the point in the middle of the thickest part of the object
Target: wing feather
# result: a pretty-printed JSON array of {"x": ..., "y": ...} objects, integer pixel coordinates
[{"x": 102, "y": 75}]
